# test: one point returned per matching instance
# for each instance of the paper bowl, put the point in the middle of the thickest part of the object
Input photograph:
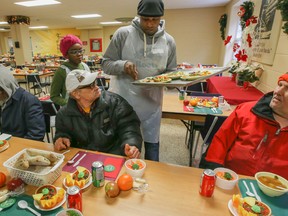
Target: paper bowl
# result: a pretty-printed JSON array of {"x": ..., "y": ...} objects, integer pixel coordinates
[
  {"x": 223, "y": 183},
  {"x": 269, "y": 191},
  {"x": 135, "y": 173},
  {"x": 68, "y": 212}
]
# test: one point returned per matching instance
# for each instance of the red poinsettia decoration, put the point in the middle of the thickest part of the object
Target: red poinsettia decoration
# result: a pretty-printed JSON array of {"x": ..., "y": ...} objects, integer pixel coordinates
[
  {"x": 235, "y": 47},
  {"x": 241, "y": 56},
  {"x": 227, "y": 39},
  {"x": 251, "y": 20},
  {"x": 249, "y": 40}
]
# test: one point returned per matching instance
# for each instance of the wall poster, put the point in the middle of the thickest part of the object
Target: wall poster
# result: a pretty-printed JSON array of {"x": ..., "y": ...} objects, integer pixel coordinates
[
  {"x": 266, "y": 31},
  {"x": 96, "y": 45}
]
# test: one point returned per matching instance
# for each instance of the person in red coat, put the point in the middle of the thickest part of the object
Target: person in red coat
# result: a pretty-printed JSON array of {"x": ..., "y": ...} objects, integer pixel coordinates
[{"x": 254, "y": 137}]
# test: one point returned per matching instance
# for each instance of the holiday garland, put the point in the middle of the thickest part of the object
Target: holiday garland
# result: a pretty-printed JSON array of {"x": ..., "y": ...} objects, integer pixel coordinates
[
  {"x": 18, "y": 20},
  {"x": 283, "y": 7},
  {"x": 245, "y": 13},
  {"x": 223, "y": 22}
]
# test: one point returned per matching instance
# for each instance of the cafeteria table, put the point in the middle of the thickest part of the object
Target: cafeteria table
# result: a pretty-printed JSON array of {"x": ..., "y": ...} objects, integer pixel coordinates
[
  {"x": 172, "y": 108},
  {"x": 232, "y": 93},
  {"x": 173, "y": 189}
]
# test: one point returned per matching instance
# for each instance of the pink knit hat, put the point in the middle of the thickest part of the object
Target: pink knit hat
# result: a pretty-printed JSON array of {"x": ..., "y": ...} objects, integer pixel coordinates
[{"x": 68, "y": 41}]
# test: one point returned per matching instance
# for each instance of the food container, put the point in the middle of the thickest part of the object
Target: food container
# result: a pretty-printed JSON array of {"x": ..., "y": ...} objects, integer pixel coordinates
[
  {"x": 69, "y": 212},
  {"x": 223, "y": 183},
  {"x": 40, "y": 176},
  {"x": 135, "y": 173},
  {"x": 269, "y": 191}
]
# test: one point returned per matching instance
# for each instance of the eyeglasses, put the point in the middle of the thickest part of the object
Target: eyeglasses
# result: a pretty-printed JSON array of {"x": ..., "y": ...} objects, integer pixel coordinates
[
  {"x": 76, "y": 52},
  {"x": 91, "y": 86}
]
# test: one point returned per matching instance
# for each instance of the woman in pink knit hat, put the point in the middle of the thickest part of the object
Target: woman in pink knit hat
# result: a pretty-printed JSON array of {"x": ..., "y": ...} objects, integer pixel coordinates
[{"x": 71, "y": 48}]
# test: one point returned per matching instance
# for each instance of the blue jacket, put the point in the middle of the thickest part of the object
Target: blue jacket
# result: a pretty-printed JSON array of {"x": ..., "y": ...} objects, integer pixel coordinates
[{"x": 23, "y": 116}]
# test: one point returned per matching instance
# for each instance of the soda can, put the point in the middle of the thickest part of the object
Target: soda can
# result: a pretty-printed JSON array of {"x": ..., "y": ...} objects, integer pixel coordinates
[
  {"x": 220, "y": 99},
  {"x": 74, "y": 198},
  {"x": 98, "y": 174},
  {"x": 207, "y": 183}
]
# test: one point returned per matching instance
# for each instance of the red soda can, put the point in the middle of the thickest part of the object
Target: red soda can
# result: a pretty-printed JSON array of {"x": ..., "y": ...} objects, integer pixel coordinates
[
  {"x": 207, "y": 183},
  {"x": 74, "y": 198}
]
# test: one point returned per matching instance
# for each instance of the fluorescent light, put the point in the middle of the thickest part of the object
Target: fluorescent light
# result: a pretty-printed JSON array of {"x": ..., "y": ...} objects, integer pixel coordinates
[
  {"x": 86, "y": 16},
  {"x": 3, "y": 22},
  {"x": 37, "y": 3},
  {"x": 110, "y": 23},
  {"x": 38, "y": 27},
  {"x": 1, "y": 29}
]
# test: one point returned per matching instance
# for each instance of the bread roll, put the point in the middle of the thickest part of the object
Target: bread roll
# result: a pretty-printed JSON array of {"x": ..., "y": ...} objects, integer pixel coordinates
[{"x": 49, "y": 155}]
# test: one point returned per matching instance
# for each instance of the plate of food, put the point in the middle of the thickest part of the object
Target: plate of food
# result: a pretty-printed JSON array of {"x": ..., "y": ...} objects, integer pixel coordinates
[
  {"x": 248, "y": 205},
  {"x": 190, "y": 77},
  {"x": 4, "y": 144},
  {"x": 49, "y": 197},
  {"x": 81, "y": 178},
  {"x": 175, "y": 75},
  {"x": 157, "y": 79}
]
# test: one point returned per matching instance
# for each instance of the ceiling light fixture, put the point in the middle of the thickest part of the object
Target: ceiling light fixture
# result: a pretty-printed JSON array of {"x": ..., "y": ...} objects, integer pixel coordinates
[
  {"x": 110, "y": 23},
  {"x": 124, "y": 19},
  {"x": 86, "y": 16},
  {"x": 38, "y": 27},
  {"x": 37, "y": 3},
  {"x": 3, "y": 22}
]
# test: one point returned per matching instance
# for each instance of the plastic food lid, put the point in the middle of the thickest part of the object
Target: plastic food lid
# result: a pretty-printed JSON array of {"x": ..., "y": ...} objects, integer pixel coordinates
[
  {"x": 109, "y": 168},
  {"x": 7, "y": 203}
]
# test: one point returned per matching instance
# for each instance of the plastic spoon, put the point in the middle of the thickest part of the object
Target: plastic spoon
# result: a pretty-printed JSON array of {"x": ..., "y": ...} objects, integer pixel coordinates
[
  {"x": 73, "y": 160},
  {"x": 248, "y": 192},
  {"x": 24, "y": 205}
]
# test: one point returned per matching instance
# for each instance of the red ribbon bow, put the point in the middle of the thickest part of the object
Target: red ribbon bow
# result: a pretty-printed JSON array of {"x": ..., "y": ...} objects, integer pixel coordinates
[
  {"x": 227, "y": 40},
  {"x": 235, "y": 47},
  {"x": 241, "y": 56},
  {"x": 252, "y": 19},
  {"x": 249, "y": 40}
]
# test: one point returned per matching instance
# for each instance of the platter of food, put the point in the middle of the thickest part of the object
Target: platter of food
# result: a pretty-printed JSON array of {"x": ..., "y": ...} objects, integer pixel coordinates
[
  {"x": 49, "y": 197},
  {"x": 180, "y": 78},
  {"x": 81, "y": 178},
  {"x": 4, "y": 144}
]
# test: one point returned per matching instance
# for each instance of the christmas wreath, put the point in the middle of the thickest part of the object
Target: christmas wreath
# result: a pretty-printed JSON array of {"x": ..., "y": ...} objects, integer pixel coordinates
[
  {"x": 245, "y": 13},
  {"x": 18, "y": 20},
  {"x": 283, "y": 7},
  {"x": 223, "y": 22}
]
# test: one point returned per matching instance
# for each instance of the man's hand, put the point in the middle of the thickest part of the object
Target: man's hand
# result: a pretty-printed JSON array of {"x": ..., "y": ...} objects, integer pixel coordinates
[
  {"x": 131, "y": 151},
  {"x": 62, "y": 143},
  {"x": 130, "y": 69}
]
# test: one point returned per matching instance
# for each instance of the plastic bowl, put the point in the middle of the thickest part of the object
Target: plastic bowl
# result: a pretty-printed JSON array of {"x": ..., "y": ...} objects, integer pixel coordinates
[
  {"x": 223, "y": 183},
  {"x": 135, "y": 173},
  {"x": 269, "y": 191},
  {"x": 68, "y": 212}
]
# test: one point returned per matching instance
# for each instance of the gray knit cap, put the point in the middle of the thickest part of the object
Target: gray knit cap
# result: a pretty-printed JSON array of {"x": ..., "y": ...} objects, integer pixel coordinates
[{"x": 151, "y": 8}]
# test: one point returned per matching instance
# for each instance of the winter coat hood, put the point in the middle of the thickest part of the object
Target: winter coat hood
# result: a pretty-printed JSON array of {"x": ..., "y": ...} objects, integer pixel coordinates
[{"x": 7, "y": 81}]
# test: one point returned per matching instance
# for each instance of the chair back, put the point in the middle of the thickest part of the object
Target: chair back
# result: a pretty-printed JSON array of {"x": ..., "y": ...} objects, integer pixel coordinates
[
  {"x": 201, "y": 94},
  {"x": 197, "y": 87},
  {"x": 211, "y": 126},
  {"x": 33, "y": 78},
  {"x": 50, "y": 108},
  {"x": 101, "y": 82}
]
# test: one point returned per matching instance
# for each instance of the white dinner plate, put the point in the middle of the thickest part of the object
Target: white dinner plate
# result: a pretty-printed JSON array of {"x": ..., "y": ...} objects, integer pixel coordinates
[
  {"x": 231, "y": 208},
  {"x": 55, "y": 207},
  {"x": 85, "y": 186}
]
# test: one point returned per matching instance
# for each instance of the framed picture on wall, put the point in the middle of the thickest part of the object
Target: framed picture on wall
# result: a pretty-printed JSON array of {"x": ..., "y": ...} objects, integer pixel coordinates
[{"x": 96, "y": 45}]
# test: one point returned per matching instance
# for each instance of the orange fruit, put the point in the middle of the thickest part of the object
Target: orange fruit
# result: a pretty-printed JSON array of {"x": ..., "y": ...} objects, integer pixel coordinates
[
  {"x": 214, "y": 99},
  {"x": 193, "y": 102},
  {"x": 125, "y": 182}
]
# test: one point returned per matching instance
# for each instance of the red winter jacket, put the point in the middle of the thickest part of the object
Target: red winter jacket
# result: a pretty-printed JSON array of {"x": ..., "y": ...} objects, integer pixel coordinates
[{"x": 250, "y": 140}]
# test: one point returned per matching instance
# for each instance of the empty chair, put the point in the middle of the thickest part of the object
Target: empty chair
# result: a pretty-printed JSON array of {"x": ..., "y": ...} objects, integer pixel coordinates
[
  {"x": 197, "y": 87},
  {"x": 36, "y": 84},
  {"x": 207, "y": 132},
  {"x": 50, "y": 110},
  {"x": 101, "y": 82}
]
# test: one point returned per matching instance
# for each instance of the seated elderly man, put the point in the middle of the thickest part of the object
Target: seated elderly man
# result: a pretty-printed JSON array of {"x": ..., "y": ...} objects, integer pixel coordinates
[
  {"x": 255, "y": 136},
  {"x": 21, "y": 113},
  {"x": 95, "y": 120}
]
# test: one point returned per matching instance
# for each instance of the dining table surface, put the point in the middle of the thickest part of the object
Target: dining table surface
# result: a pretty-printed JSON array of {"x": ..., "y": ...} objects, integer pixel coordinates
[
  {"x": 173, "y": 189},
  {"x": 232, "y": 93}
]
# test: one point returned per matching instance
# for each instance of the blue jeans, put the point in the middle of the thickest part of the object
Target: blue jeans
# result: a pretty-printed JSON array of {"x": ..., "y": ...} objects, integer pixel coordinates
[{"x": 151, "y": 151}]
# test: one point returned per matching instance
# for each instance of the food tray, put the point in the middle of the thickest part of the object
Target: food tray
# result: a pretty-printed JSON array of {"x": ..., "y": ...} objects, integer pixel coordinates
[
  {"x": 182, "y": 83},
  {"x": 47, "y": 175}
]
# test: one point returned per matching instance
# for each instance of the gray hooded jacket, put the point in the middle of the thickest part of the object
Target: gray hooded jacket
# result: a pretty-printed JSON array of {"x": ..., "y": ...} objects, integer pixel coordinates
[{"x": 21, "y": 114}]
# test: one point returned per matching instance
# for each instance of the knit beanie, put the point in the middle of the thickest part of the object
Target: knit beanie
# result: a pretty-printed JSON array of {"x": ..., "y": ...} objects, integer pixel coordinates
[
  {"x": 150, "y": 8},
  {"x": 68, "y": 41},
  {"x": 284, "y": 77}
]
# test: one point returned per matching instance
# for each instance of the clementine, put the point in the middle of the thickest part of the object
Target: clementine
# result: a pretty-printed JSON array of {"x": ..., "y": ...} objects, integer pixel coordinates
[
  {"x": 125, "y": 182},
  {"x": 193, "y": 102}
]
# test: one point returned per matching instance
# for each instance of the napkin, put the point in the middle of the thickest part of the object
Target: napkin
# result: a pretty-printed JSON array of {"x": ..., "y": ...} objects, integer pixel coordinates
[
  {"x": 201, "y": 110},
  {"x": 278, "y": 205},
  {"x": 17, "y": 211},
  {"x": 90, "y": 157}
]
